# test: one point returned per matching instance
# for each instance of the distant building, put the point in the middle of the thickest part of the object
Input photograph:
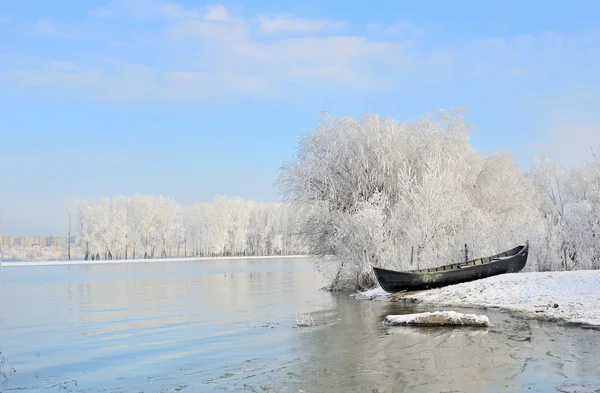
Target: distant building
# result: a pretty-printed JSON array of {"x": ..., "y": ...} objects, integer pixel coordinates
[
  {"x": 37, "y": 241},
  {"x": 33, "y": 241},
  {"x": 55, "y": 241}
]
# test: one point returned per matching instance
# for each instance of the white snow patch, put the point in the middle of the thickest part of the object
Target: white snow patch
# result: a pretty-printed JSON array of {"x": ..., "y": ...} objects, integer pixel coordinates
[
  {"x": 438, "y": 318},
  {"x": 569, "y": 297},
  {"x": 376, "y": 293}
]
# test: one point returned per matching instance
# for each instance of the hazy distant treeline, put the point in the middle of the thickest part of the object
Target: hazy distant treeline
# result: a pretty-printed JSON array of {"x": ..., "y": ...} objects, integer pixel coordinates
[
  {"x": 407, "y": 195},
  {"x": 147, "y": 226}
]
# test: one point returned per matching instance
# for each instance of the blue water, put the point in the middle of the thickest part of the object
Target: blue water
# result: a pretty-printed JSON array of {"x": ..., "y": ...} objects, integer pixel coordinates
[{"x": 228, "y": 325}]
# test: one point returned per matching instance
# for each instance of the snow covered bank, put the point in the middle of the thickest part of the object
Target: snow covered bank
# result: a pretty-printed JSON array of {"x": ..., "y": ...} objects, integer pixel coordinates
[
  {"x": 155, "y": 260},
  {"x": 568, "y": 297},
  {"x": 438, "y": 318}
]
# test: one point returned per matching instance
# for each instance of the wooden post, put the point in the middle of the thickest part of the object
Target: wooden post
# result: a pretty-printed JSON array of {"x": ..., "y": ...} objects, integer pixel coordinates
[
  {"x": 466, "y": 253},
  {"x": 412, "y": 253}
]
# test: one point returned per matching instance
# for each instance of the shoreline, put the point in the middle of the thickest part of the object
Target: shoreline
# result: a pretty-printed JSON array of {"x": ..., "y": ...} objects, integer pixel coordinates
[
  {"x": 147, "y": 260},
  {"x": 565, "y": 297}
]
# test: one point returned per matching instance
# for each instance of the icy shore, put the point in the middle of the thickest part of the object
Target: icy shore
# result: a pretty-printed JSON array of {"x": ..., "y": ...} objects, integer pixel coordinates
[{"x": 568, "y": 297}]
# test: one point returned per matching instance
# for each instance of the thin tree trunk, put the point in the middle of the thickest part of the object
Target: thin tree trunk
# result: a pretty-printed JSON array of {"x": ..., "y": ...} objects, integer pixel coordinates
[{"x": 337, "y": 277}]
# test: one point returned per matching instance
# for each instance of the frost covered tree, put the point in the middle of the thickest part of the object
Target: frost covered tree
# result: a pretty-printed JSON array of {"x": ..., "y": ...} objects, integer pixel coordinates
[
  {"x": 570, "y": 205},
  {"x": 150, "y": 226},
  {"x": 381, "y": 192}
]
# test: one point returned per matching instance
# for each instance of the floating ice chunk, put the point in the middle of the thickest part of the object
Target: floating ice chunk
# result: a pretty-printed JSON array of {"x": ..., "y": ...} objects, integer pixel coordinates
[
  {"x": 438, "y": 318},
  {"x": 572, "y": 388}
]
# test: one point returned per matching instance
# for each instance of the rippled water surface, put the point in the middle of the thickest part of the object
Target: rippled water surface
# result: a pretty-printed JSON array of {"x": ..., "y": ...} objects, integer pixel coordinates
[{"x": 228, "y": 325}]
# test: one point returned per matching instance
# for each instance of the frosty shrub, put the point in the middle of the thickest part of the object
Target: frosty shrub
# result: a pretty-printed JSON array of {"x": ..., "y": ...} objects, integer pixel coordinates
[{"x": 382, "y": 192}]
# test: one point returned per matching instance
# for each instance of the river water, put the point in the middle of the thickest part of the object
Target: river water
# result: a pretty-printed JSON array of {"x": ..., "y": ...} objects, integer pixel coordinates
[{"x": 229, "y": 326}]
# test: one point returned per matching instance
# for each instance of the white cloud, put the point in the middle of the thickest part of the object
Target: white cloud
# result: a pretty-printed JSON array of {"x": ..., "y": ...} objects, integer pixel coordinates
[
  {"x": 288, "y": 24},
  {"x": 176, "y": 11},
  {"x": 125, "y": 81},
  {"x": 217, "y": 13},
  {"x": 145, "y": 9},
  {"x": 208, "y": 31},
  {"x": 235, "y": 65},
  {"x": 78, "y": 32},
  {"x": 209, "y": 51}
]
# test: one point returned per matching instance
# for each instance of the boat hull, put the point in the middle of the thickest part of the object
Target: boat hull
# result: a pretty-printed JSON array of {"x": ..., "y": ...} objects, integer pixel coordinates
[{"x": 510, "y": 261}]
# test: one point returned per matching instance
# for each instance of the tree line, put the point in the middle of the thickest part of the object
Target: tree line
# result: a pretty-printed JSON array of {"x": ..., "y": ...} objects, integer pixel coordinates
[
  {"x": 148, "y": 226},
  {"x": 404, "y": 195}
]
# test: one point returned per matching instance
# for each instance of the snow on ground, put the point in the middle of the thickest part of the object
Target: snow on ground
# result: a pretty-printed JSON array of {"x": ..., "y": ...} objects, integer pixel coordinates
[
  {"x": 438, "y": 318},
  {"x": 569, "y": 297}
]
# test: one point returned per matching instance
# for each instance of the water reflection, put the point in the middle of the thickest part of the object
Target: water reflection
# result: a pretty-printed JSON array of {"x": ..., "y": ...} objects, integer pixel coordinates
[
  {"x": 362, "y": 355},
  {"x": 229, "y": 326}
]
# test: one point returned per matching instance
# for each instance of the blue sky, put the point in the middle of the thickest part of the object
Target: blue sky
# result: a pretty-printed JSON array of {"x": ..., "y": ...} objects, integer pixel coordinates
[{"x": 192, "y": 99}]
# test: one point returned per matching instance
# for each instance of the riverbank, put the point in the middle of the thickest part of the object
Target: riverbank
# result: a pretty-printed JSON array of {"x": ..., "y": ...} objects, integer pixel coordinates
[
  {"x": 566, "y": 297},
  {"x": 147, "y": 260}
]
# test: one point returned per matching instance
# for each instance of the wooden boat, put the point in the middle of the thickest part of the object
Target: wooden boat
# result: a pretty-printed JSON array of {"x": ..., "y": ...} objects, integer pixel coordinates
[{"x": 510, "y": 261}]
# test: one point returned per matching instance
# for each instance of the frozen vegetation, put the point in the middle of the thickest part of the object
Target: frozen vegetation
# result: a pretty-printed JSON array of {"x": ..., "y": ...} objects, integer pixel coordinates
[
  {"x": 146, "y": 226},
  {"x": 438, "y": 318},
  {"x": 30, "y": 253},
  {"x": 562, "y": 296},
  {"x": 405, "y": 195}
]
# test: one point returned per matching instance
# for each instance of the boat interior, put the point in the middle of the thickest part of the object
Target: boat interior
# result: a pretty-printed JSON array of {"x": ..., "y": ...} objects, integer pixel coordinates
[{"x": 474, "y": 262}]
